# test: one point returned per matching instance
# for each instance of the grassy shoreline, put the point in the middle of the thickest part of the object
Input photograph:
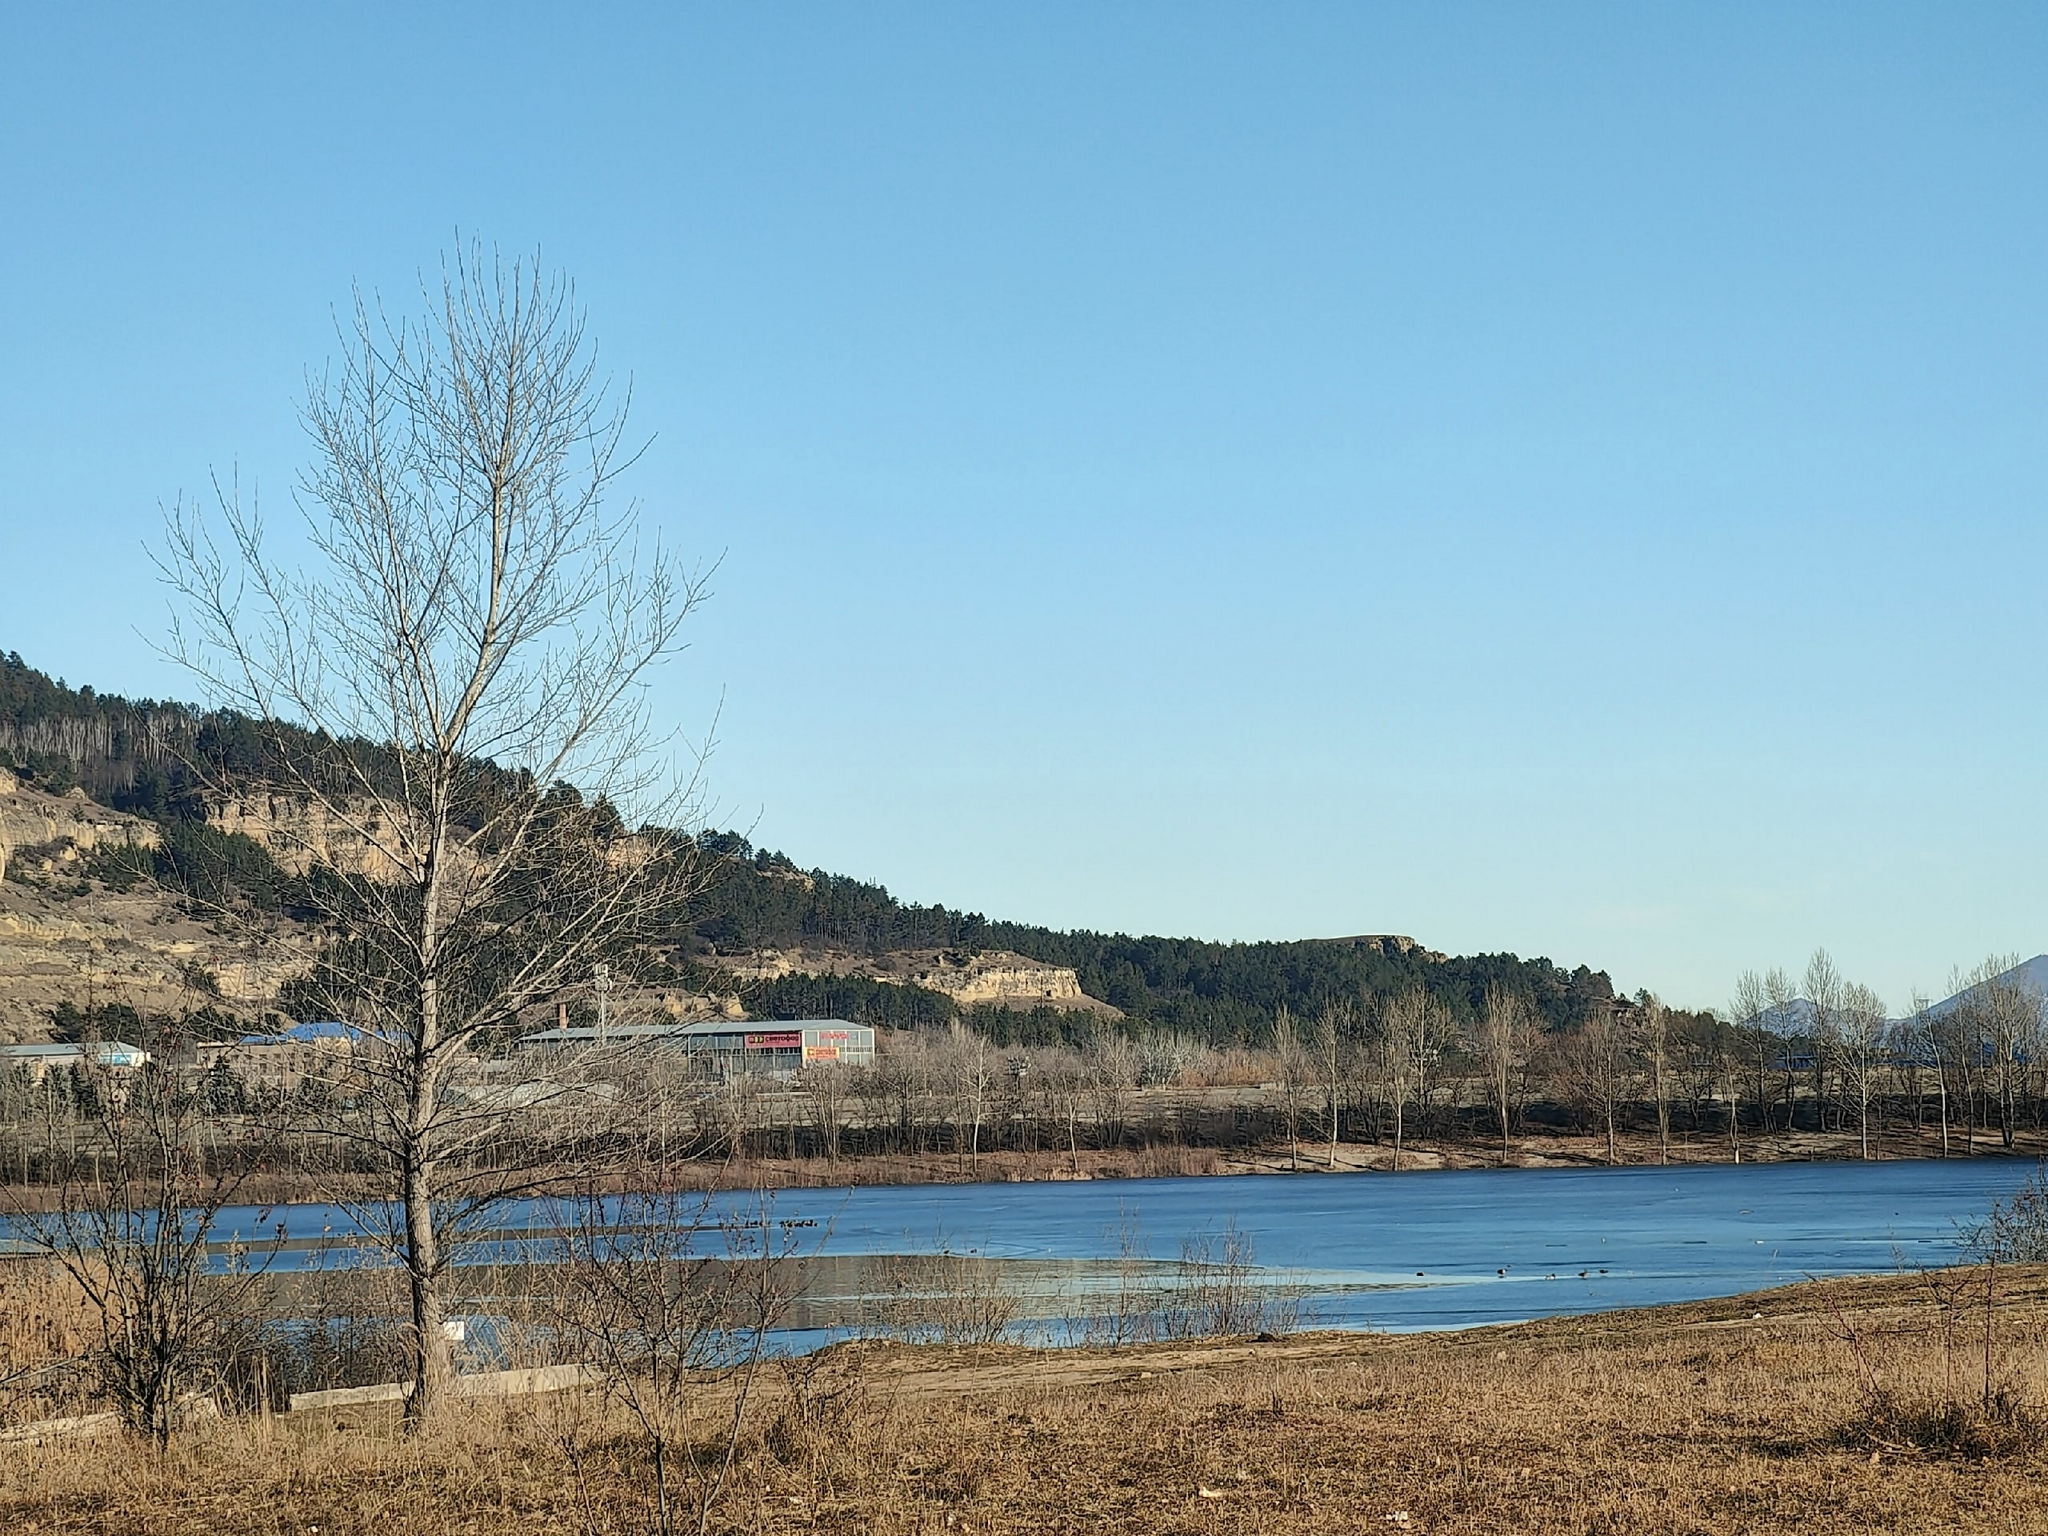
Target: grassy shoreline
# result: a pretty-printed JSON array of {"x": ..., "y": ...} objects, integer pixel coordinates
[{"x": 1734, "y": 1415}]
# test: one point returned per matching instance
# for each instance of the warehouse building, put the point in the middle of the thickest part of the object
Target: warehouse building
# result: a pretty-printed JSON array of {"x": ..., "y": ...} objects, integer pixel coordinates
[
  {"x": 39, "y": 1061},
  {"x": 284, "y": 1061},
  {"x": 777, "y": 1047}
]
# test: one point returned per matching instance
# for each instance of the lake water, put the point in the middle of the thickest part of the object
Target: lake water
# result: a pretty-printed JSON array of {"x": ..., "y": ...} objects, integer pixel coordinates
[{"x": 1438, "y": 1249}]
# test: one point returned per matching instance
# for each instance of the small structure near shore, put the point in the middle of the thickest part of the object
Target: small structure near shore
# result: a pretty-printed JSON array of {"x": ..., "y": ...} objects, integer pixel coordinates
[{"x": 778, "y": 1047}]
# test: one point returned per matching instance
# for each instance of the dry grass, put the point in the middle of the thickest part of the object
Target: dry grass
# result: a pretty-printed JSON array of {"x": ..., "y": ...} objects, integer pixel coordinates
[{"x": 1693, "y": 1419}]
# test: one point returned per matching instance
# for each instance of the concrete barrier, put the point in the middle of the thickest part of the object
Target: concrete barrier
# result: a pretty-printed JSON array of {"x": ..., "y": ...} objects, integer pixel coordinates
[
  {"x": 62, "y": 1429},
  {"x": 539, "y": 1378}
]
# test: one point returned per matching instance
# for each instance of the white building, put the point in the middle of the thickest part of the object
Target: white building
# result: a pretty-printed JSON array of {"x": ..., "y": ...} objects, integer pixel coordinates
[
  {"x": 778, "y": 1046},
  {"x": 40, "y": 1060}
]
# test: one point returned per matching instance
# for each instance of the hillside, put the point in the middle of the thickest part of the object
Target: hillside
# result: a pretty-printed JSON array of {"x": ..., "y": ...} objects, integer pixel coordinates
[{"x": 103, "y": 804}]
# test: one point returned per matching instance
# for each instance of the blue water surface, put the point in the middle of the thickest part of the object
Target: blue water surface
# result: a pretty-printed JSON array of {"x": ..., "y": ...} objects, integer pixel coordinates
[{"x": 1426, "y": 1249}]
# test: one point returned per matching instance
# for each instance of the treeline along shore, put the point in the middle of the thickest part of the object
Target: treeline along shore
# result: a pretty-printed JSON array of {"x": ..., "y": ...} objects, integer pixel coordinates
[{"x": 1639, "y": 1085}]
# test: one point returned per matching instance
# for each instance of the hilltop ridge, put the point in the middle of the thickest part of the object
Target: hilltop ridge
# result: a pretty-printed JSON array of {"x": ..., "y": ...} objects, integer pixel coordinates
[{"x": 103, "y": 790}]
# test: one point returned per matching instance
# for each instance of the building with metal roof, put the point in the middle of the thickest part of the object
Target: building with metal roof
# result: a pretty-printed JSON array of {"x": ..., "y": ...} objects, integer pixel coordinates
[
  {"x": 41, "y": 1059},
  {"x": 778, "y": 1046}
]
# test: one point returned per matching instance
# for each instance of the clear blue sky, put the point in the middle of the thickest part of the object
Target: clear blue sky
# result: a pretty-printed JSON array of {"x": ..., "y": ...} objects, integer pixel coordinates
[{"x": 1561, "y": 479}]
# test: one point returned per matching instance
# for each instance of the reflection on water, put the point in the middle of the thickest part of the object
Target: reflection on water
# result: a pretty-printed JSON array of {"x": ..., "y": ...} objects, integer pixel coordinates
[{"x": 1403, "y": 1251}]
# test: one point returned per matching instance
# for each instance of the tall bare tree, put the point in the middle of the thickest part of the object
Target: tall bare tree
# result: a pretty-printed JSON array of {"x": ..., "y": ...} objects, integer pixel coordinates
[
  {"x": 1505, "y": 1041},
  {"x": 2001, "y": 1017},
  {"x": 1598, "y": 1066},
  {"x": 468, "y": 638},
  {"x": 972, "y": 1070},
  {"x": 1335, "y": 1029},
  {"x": 1862, "y": 1035},
  {"x": 1780, "y": 1016},
  {"x": 1824, "y": 996},
  {"x": 1413, "y": 1028},
  {"x": 1295, "y": 1066},
  {"x": 1653, "y": 1037},
  {"x": 1746, "y": 1017}
]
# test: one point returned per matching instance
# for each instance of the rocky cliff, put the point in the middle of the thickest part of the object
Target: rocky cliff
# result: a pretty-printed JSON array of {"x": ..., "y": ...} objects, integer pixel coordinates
[
  {"x": 100, "y": 946},
  {"x": 47, "y": 834},
  {"x": 64, "y": 938},
  {"x": 299, "y": 832},
  {"x": 990, "y": 977}
]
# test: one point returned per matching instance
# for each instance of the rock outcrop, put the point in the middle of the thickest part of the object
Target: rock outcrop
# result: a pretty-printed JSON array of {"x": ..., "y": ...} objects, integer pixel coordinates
[
  {"x": 131, "y": 947},
  {"x": 985, "y": 978},
  {"x": 46, "y": 833},
  {"x": 300, "y": 832}
]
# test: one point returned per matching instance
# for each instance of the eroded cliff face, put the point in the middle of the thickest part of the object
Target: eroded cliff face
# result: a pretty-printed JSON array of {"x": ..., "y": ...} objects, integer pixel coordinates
[
  {"x": 300, "y": 832},
  {"x": 47, "y": 834},
  {"x": 135, "y": 948},
  {"x": 64, "y": 939},
  {"x": 992, "y": 977}
]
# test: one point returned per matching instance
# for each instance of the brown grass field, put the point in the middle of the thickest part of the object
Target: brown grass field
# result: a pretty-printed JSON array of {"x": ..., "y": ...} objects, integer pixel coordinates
[{"x": 1704, "y": 1418}]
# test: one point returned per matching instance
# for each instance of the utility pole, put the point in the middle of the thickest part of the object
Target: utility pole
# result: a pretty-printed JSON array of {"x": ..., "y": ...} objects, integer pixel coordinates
[{"x": 601, "y": 980}]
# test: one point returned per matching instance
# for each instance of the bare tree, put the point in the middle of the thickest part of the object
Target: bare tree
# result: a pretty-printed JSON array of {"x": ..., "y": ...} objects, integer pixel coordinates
[
  {"x": 1824, "y": 996},
  {"x": 1061, "y": 1078},
  {"x": 2001, "y": 1017},
  {"x": 827, "y": 1089},
  {"x": 1653, "y": 1035},
  {"x": 468, "y": 642},
  {"x": 1746, "y": 1016},
  {"x": 1598, "y": 1066},
  {"x": 1413, "y": 1028},
  {"x": 1295, "y": 1066},
  {"x": 1861, "y": 1039},
  {"x": 972, "y": 1072},
  {"x": 136, "y": 1213},
  {"x": 1780, "y": 1013},
  {"x": 1729, "y": 1079},
  {"x": 677, "y": 1329},
  {"x": 1506, "y": 1041},
  {"x": 1112, "y": 1077},
  {"x": 1336, "y": 1025}
]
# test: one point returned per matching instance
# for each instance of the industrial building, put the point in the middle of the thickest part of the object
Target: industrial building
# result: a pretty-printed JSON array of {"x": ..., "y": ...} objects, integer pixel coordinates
[
  {"x": 284, "y": 1061},
  {"x": 39, "y": 1061},
  {"x": 777, "y": 1047}
]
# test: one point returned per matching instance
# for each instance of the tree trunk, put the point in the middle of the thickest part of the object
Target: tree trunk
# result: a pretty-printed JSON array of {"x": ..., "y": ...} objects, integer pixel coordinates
[{"x": 433, "y": 1364}]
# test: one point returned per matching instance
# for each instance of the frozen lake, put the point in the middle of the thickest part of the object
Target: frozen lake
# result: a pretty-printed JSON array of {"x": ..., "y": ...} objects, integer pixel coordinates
[{"x": 1435, "y": 1249}]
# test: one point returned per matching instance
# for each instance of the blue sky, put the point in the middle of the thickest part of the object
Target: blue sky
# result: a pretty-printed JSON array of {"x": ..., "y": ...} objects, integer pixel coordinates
[{"x": 1560, "y": 479}]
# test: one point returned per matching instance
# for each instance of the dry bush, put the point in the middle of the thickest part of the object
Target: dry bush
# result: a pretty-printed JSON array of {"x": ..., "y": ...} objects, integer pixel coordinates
[
  {"x": 1218, "y": 1291},
  {"x": 2016, "y": 1230},
  {"x": 1946, "y": 1381},
  {"x": 46, "y": 1328},
  {"x": 941, "y": 1298}
]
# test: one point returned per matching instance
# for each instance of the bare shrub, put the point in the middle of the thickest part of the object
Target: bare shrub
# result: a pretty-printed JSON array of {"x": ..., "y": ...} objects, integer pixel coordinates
[
  {"x": 130, "y": 1229},
  {"x": 672, "y": 1299},
  {"x": 1970, "y": 1405},
  {"x": 1218, "y": 1291},
  {"x": 2016, "y": 1229},
  {"x": 943, "y": 1298}
]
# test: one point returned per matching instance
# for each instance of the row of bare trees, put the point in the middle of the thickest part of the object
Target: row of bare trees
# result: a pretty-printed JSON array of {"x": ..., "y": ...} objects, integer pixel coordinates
[
  {"x": 1977, "y": 1059},
  {"x": 1824, "y": 1056}
]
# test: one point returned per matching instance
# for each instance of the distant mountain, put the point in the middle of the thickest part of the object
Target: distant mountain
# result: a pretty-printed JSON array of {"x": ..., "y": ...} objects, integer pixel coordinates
[
  {"x": 2030, "y": 974},
  {"x": 1796, "y": 1017}
]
